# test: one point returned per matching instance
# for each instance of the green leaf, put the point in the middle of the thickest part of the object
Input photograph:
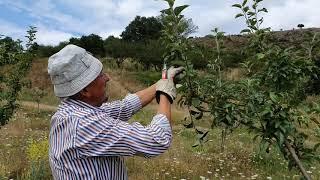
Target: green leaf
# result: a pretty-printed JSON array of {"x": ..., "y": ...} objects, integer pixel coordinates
[
  {"x": 204, "y": 135},
  {"x": 199, "y": 116},
  {"x": 179, "y": 9},
  {"x": 237, "y": 5},
  {"x": 192, "y": 112},
  {"x": 265, "y": 112},
  {"x": 281, "y": 138},
  {"x": 191, "y": 125},
  {"x": 228, "y": 118},
  {"x": 255, "y": 137},
  {"x": 197, "y": 143},
  {"x": 263, "y": 10},
  {"x": 260, "y": 56},
  {"x": 254, "y": 6},
  {"x": 245, "y": 31},
  {"x": 170, "y": 2},
  {"x": 238, "y": 15},
  {"x": 244, "y": 2},
  {"x": 166, "y": 11},
  {"x": 316, "y": 147},
  {"x": 251, "y": 13},
  {"x": 261, "y": 20},
  {"x": 246, "y": 9},
  {"x": 273, "y": 97},
  {"x": 196, "y": 102},
  {"x": 252, "y": 26},
  {"x": 198, "y": 131}
]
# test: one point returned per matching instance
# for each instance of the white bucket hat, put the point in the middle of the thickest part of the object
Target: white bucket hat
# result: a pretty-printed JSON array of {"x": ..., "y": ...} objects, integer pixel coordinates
[{"x": 72, "y": 69}]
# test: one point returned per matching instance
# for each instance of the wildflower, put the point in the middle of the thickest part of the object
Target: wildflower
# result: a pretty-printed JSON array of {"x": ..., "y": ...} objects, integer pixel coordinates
[
  {"x": 254, "y": 176},
  {"x": 209, "y": 172}
]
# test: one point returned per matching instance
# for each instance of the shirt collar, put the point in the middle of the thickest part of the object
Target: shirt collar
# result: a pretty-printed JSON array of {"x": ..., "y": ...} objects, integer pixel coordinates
[{"x": 81, "y": 104}]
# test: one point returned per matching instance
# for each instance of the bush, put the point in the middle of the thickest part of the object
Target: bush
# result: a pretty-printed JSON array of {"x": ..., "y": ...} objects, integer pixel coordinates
[{"x": 147, "y": 78}]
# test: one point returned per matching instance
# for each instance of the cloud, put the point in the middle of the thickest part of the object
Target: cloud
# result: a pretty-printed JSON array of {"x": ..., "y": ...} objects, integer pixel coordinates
[
  {"x": 62, "y": 18},
  {"x": 293, "y": 12},
  {"x": 11, "y": 30},
  {"x": 51, "y": 37}
]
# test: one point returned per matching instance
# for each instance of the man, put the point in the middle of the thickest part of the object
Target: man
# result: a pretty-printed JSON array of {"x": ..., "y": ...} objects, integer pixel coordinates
[{"x": 88, "y": 136}]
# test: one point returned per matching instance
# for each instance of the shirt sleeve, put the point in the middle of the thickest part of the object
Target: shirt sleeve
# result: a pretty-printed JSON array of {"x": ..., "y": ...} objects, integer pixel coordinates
[
  {"x": 110, "y": 137},
  {"x": 123, "y": 109}
]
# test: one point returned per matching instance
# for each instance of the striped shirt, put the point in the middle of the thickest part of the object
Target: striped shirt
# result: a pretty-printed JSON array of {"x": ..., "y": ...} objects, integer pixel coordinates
[{"x": 89, "y": 142}]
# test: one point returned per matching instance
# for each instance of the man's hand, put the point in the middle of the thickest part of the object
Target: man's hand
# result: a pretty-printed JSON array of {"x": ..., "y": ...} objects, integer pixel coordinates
[
  {"x": 166, "y": 87},
  {"x": 173, "y": 72}
]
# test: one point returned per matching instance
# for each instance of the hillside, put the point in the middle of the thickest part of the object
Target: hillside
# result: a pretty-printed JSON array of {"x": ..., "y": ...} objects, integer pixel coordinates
[{"x": 286, "y": 38}]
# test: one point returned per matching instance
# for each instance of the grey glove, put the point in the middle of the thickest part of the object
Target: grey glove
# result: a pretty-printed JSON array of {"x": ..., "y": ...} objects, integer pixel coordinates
[
  {"x": 166, "y": 87},
  {"x": 172, "y": 73}
]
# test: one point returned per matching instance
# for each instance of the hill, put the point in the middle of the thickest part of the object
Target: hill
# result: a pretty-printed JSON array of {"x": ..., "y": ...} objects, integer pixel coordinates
[{"x": 285, "y": 38}]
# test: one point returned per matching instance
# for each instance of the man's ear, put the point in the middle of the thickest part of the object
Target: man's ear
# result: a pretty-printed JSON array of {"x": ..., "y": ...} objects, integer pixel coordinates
[{"x": 85, "y": 93}]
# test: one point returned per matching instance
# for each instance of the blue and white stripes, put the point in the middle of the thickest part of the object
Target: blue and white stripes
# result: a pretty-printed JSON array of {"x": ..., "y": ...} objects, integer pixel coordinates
[{"x": 87, "y": 142}]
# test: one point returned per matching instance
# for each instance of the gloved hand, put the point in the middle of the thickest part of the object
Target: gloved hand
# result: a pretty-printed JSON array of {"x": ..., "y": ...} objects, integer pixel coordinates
[
  {"x": 172, "y": 73},
  {"x": 167, "y": 87}
]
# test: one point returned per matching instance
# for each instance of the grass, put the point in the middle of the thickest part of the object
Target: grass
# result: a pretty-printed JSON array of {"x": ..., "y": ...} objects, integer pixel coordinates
[
  {"x": 23, "y": 131},
  {"x": 241, "y": 159},
  {"x": 23, "y": 144}
]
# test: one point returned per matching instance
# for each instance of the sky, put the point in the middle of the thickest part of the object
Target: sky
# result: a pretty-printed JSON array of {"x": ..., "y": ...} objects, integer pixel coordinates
[{"x": 59, "y": 20}]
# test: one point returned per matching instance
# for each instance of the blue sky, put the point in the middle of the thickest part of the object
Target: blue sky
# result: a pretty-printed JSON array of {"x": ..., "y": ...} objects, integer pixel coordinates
[{"x": 58, "y": 20}]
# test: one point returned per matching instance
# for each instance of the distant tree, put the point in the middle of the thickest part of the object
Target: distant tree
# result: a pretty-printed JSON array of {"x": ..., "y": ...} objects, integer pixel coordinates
[
  {"x": 75, "y": 41},
  {"x": 46, "y": 51},
  {"x": 149, "y": 54},
  {"x": 300, "y": 26},
  {"x": 92, "y": 43},
  {"x": 188, "y": 27},
  {"x": 116, "y": 48},
  {"x": 185, "y": 26},
  {"x": 38, "y": 94},
  {"x": 142, "y": 29},
  {"x": 14, "y": 65},
  {"x": 10, "y": 45}
]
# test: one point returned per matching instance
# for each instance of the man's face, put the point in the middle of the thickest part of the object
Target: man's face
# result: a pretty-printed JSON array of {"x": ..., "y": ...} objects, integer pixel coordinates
[{"x": 96, "y": 90}]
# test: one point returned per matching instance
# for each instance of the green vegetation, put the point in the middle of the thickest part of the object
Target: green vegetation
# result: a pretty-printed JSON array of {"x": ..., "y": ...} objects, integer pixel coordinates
[
  {"x": 14, "y": 65},
  {"x": 244, "y": 109},
  {"x": 267, "y": 101}
]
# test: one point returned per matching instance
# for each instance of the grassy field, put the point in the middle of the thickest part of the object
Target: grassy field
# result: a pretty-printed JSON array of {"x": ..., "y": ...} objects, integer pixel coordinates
[{"x": 24, "y": 143}]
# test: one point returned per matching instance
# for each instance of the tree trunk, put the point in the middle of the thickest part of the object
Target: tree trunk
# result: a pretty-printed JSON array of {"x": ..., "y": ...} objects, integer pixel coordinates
[{"x": 297, "y": 160}]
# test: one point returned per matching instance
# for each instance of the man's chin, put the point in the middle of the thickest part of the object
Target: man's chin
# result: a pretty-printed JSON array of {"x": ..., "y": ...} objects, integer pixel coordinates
[{"x": 106, "y": 99}]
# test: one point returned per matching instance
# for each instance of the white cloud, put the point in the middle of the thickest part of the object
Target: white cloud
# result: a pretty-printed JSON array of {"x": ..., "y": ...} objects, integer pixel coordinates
[
  {"x": 62, "y": 18},
  {"x": 51, "y": 37},
  {"x": 293, "y": 12},
  {"x": 12, "y": 30}
]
